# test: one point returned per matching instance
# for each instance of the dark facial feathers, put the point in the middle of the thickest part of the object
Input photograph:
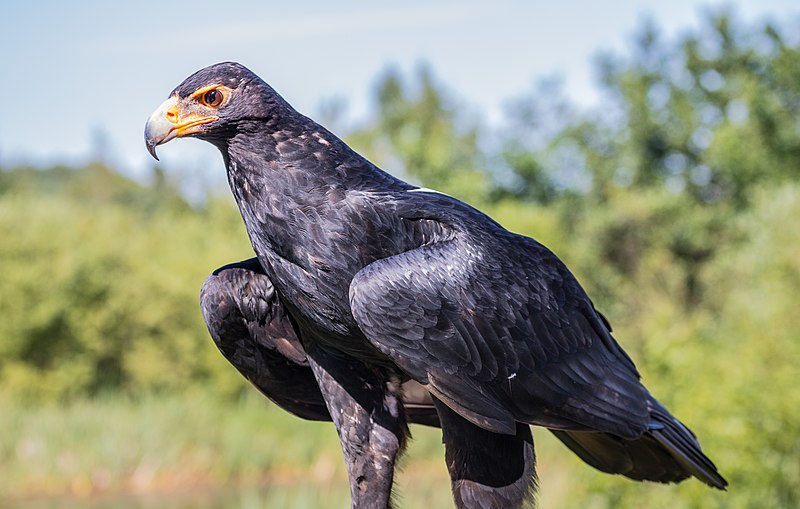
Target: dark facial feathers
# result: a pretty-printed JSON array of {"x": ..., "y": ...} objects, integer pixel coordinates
[{"x": 230, "y": 74}]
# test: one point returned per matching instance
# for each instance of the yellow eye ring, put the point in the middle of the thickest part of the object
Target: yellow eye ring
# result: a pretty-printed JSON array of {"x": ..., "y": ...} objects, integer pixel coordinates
[{"x": 213, "y": 98}]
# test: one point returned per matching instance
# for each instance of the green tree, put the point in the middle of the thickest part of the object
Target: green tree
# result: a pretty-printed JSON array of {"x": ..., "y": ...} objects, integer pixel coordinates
[
  {"x": 714, "y": 113},
  {"x": 101, "y": 283},
  {"x": 419, "y": 133}
]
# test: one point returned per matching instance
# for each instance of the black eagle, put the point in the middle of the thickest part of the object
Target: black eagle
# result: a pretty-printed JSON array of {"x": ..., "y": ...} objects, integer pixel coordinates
[{"x": 373, "y": 302}]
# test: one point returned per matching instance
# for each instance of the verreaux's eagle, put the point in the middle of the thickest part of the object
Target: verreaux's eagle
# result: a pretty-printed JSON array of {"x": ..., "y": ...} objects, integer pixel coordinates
[{"x": 373, "y": 302}]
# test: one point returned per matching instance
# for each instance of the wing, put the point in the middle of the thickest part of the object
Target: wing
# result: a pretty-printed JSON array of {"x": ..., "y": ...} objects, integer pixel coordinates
[
  {"x": 495, "y": 326},
  {"x": 254, "y": 332}
]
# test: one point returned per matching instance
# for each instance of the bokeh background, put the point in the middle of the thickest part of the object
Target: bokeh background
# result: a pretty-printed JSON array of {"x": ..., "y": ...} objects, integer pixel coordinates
[{"x": 654, "y": 146}]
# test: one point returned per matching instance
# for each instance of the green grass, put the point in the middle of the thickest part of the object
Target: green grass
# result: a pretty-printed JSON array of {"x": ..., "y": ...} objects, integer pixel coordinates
[
  {"x": 196, "y": 451},
  {"x": 193, "y": 450},
  {"x": 178, "y": 443}
]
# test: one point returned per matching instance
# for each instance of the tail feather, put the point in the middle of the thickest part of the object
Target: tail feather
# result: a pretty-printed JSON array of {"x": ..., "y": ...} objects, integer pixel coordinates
[
  {"x": 668, "y": 452},
  {"x": 684, "y": 448}
]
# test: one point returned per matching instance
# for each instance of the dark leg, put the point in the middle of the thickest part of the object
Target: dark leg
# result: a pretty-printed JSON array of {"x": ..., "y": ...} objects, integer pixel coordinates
[
  {"x": 487, "y": 470},
  {"x": 366, "y": 408}
]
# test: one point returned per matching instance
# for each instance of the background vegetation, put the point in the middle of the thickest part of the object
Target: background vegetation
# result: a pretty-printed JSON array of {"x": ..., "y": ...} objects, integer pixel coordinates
[{"x": 676, "y": 204}]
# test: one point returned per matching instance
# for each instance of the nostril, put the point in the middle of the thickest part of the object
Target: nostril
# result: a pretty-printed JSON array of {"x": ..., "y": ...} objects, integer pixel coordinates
[{"x": 172, "y": 115}]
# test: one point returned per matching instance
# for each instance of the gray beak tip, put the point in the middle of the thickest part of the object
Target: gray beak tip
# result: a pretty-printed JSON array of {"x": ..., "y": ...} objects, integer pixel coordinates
[
  {"x": 151, "y": 147},
  {"x": 158, "y": 129}
]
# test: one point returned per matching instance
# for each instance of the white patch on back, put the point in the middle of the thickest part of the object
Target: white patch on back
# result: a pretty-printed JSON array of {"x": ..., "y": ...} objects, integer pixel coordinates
[{"x": 426, "y": 190}]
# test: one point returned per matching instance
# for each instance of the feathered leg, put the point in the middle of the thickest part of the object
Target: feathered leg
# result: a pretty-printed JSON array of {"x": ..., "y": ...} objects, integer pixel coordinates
[
  {"x": 367, "y": 411},
  {"x": 487, "y": 470}
]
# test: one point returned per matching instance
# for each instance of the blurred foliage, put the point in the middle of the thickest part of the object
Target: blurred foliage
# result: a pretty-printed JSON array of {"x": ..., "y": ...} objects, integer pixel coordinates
[
  {"x": 676, "y": 205},
  {"x": 419, "y": 134},
  {"x": 100, "y": 285}
]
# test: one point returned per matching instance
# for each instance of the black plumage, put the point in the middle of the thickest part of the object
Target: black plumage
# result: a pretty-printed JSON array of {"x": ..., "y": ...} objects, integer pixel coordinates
[{"x": 373, "y": 303}]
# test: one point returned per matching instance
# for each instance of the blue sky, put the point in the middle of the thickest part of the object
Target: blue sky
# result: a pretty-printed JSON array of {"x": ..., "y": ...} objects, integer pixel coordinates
[{"x": 72, "y": 69}]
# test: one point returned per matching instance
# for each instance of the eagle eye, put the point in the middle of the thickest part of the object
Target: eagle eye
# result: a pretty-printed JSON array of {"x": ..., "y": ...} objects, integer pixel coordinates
[{"x": 212, "y": 98}]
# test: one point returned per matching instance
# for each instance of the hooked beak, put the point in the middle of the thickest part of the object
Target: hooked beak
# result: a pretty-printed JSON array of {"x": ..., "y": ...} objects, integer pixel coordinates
[{"x": 170, "y": 121}]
